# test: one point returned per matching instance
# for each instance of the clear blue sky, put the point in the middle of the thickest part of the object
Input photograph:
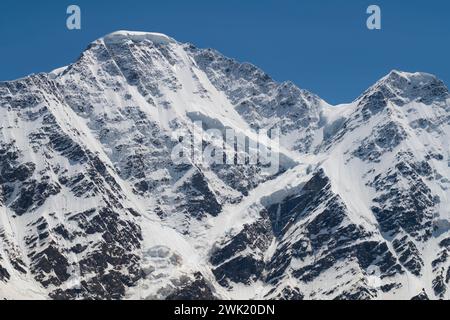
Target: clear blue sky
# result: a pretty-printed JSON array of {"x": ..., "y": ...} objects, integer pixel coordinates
[{"x": 321, "y": 45}]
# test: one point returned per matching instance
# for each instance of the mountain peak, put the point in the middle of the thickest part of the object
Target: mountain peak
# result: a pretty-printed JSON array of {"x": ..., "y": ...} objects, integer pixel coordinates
[
  {"x": 402, "y": 87},
  {"x": 137, "y": 36},
  {"x": 417, "y": 78}
]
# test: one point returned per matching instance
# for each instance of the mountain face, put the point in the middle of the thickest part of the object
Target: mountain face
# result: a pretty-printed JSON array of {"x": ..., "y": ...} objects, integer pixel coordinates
[{"x": 94, "y": 207}]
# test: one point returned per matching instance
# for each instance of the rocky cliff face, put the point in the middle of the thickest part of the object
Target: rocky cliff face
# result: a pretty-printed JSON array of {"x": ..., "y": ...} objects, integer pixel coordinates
[{"x": 94, "y": 207}]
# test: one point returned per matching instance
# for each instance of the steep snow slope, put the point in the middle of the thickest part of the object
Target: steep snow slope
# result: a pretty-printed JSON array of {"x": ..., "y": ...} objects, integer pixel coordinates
[{"x": 94, "y": 207}]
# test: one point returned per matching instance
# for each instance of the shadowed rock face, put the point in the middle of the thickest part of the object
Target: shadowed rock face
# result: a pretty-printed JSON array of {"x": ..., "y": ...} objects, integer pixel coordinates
[
  {"x": 292, "y": 208},
  {"x": 4, "y": 275},
  {"x": 196, "y": 289},
  {"x": 421, "y": 296},
  {"x": 93, "y": 207},
  {"x": 320, "y": 236},
  {"x": 241, "y": 260}
]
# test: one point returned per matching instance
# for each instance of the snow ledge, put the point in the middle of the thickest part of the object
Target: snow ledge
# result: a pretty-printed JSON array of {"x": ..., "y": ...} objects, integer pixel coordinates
[{"x": 119, "y": 36}]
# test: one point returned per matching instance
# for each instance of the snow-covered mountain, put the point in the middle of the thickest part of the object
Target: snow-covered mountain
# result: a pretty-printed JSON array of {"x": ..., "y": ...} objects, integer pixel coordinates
[{"x": 94, "y": 207}]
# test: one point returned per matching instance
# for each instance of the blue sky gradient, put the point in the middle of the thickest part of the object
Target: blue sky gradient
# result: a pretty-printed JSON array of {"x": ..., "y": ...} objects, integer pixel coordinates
[{"x": 321, "y": 45}]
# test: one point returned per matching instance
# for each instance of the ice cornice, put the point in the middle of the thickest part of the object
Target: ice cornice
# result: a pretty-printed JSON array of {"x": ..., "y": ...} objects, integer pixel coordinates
[{"x": 137, "y": 36}]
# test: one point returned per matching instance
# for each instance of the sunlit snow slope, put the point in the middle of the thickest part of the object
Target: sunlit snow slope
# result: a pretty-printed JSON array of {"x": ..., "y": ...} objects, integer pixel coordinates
[{"x": 93, "y": 207}]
